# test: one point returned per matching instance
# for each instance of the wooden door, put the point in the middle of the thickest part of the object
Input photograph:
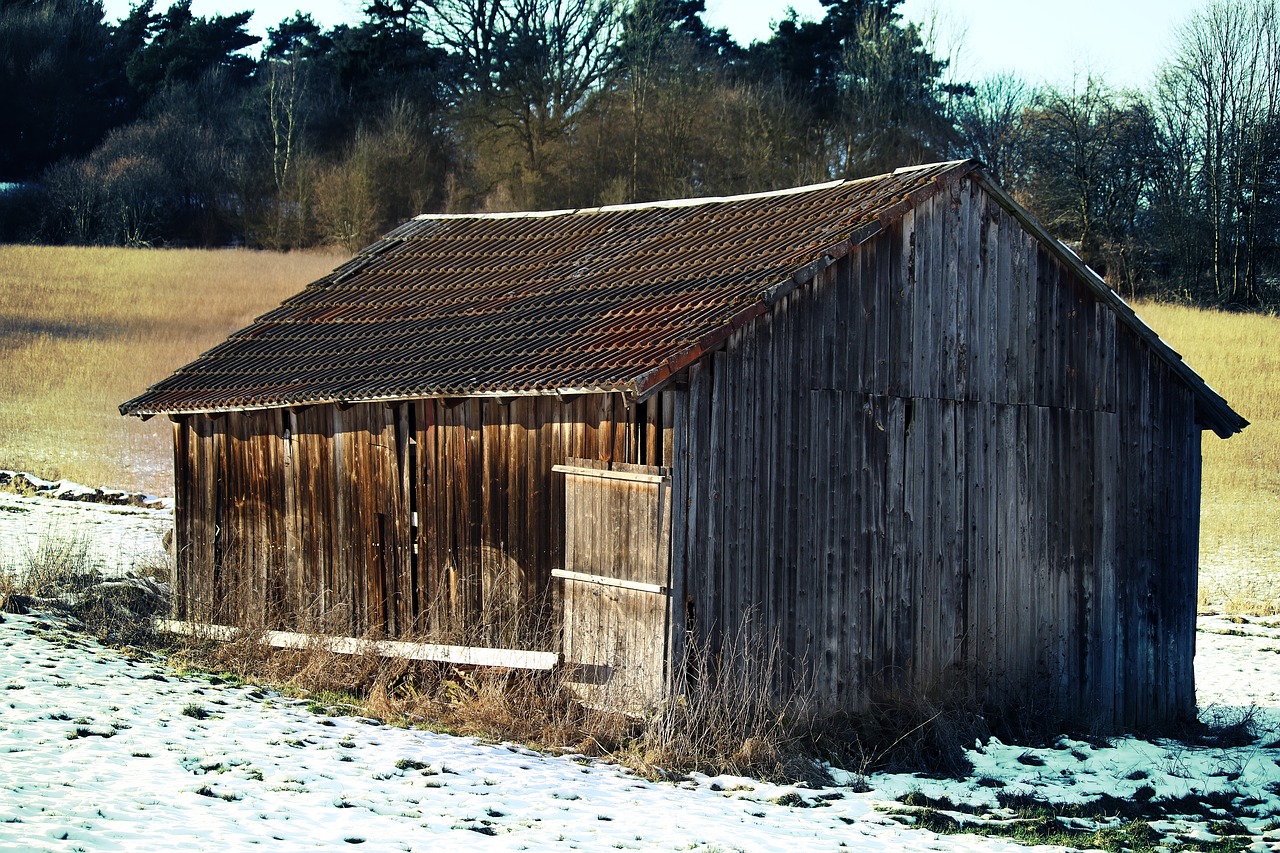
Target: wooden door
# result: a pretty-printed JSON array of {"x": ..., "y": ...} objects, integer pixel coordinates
[{"x": 617, "y": 577}]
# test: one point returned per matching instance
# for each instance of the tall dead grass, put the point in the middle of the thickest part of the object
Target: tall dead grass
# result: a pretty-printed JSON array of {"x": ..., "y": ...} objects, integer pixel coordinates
[
  {"x": 727, "y": 715},
  {"x": 61, "y": 575},
  {"x": 531, "y": 707},
  {"x": 84, "y": 329},
  {"x": 1239, "y": 355}
]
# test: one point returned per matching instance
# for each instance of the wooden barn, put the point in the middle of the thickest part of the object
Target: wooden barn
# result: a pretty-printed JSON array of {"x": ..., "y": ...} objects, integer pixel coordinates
[{"x": 887, "y": 425}]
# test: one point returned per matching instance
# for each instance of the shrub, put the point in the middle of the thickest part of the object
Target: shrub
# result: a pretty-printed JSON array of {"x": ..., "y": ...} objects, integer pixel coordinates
[{"x": 904, "y": 731}]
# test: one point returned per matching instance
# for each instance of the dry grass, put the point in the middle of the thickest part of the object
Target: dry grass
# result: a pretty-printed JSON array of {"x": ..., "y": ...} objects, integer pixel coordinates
[
  {"x": 712, "y": 727},
  {"x": 60, "y": 575},
  {"x": 535, "y": 708},
  {"x": 726, "y": 716},
  {"x": 84, "y": 329},
  {"x": 1239, "y": 355}
]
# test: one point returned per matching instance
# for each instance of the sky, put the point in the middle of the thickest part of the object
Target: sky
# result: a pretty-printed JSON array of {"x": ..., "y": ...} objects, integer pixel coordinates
[{"x": 1124, "y": 40}]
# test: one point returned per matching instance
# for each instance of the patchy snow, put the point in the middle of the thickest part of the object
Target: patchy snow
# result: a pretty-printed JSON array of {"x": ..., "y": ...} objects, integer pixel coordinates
[
  {"x": 1237, "y": 673},
  {"x": 118, "y": 538},
  {"x": 69, "y": 490},
  {"x": 103, "y": 751},
  {"x": 1238, "y": 664}
]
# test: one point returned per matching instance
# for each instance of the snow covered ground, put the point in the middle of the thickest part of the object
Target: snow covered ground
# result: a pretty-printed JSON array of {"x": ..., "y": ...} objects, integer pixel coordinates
[
  {"x": 119, "y": 538},
  {"x": 101, "y": 751}
]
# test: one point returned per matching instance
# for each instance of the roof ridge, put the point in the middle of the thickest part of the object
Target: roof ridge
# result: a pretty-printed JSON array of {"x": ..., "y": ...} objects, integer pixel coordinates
[
  {"x": 906, "y": 170},
  {"x": 687, "y": 202},
  {"x": 638, "y": 205}
]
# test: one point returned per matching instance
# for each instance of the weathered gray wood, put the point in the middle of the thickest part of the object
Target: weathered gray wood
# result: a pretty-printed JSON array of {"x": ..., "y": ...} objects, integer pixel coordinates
[
  {"x": 940, "y": 458},
  {"x": 617, "y": 571}
]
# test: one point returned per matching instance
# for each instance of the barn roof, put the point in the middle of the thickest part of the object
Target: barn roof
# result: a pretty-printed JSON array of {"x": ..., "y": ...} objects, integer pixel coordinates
[{"x": 606, "y": 299}]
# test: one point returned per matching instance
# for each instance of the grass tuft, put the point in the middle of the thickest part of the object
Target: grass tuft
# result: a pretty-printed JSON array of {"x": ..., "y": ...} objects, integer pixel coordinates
[
  {"x": 726, "y": 717},
  {"x": 62, "y": 574}
]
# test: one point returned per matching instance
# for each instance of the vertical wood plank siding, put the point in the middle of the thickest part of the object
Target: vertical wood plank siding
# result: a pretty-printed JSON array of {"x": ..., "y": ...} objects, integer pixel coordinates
[
  {"x": 426, "y": 517},
  {"x": 946, "y": 467},
  {"x": 943, "y": 465}
]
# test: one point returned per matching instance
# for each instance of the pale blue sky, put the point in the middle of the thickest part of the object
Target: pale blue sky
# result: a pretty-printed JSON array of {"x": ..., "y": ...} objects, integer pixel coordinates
[{"x": 1125, "y": 40}]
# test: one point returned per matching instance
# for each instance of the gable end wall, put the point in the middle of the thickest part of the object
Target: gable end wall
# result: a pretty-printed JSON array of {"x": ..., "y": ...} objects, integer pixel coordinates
[{"x": 943, "y": 467}]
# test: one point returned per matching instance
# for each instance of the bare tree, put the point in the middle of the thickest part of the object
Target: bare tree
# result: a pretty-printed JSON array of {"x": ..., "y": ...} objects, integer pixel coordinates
[
  {"x": 1088, "y": 170},
  {"x": 285, "y": 88},
  {"x": 1222, "y": 93},
  {"x": 649, "y": 50},
  {"x": 277, "y": 183},
  {"x": 527, "y": 65},
  {"x": 392, "y": 170},
  {"x": 990, "y": 124}
]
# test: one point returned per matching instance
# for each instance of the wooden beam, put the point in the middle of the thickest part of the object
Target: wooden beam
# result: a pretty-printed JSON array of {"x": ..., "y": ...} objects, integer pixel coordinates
[
  {"x": 608, "y": 474},
  {"x": 462, "y": 655},
  {"x": 607, "y": 581}
]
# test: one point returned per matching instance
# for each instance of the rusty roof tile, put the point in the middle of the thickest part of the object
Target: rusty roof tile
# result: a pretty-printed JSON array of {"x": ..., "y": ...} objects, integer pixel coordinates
[{"x": 614, "y": 298}]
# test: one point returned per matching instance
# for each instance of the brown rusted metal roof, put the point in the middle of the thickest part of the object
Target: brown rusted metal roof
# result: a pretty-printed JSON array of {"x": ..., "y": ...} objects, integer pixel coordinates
[{"x": 614, "y": 298}]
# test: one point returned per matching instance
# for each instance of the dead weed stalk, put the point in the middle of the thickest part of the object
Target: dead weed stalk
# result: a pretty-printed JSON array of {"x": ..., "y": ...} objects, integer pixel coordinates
[{"x": 729, "y": 715}]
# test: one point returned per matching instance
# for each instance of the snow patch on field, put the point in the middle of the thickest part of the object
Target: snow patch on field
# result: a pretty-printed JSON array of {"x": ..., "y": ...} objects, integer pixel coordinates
[
  {"x": 104, "y": 752},
  {"x": 118, "y": 538}
]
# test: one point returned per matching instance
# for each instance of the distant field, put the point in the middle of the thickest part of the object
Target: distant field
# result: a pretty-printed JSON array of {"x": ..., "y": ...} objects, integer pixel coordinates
[
  {"x": 84, "y": 329},
  {"x": 1239, "y": 355}
]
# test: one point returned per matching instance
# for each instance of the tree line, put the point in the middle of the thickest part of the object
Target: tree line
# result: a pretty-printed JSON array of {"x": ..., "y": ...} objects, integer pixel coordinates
[{"x": 168, "y": 128}]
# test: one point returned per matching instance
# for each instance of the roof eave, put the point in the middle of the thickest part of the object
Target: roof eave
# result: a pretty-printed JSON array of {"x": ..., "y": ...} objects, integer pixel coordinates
[
  {"x": 147, "y": 411},
  {"x": 1212, "y": 408}
]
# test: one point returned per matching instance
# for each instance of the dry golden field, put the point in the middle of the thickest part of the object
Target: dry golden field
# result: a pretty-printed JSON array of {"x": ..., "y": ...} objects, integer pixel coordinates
[
  {"x": 1239, "y": 355},
  {"x": 84, "y": 329}
]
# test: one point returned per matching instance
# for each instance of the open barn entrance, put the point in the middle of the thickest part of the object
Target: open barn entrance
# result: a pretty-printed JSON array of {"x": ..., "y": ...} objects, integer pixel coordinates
[{"x": 617, "y": 580}]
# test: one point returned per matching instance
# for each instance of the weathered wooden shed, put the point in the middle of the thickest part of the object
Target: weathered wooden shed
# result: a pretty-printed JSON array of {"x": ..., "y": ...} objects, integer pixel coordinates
[{"x": 889, "y": 424}]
